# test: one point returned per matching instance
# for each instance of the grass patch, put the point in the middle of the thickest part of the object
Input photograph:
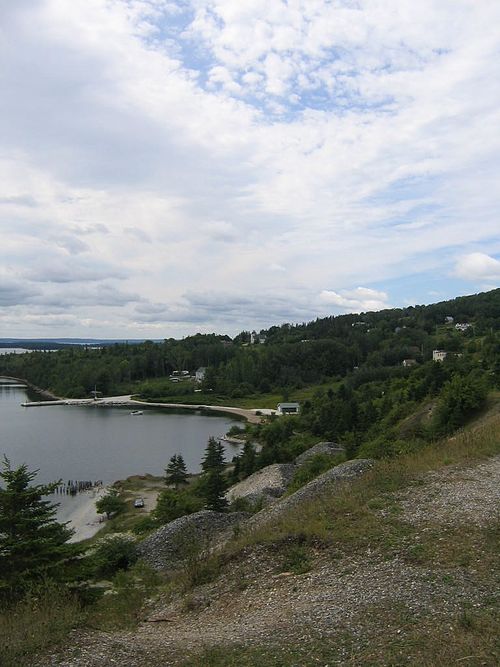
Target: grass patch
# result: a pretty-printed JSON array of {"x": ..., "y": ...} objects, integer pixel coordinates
[
  {"x": 41, "y": 619},
  {"x": 296, "y": 559},
  {"x": 457, "y": 546},
  {"x": 120, "y": 606},
  {"x": 351, "y": 517},
  {"x": 258, "y": 400},
  {"x": 312, "y": 468}
]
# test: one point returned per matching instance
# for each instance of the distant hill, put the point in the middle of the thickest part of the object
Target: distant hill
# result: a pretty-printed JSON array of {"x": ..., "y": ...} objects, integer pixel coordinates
[{"x": 56, "y": 343}]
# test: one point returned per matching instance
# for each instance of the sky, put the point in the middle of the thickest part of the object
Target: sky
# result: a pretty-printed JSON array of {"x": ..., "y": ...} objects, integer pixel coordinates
[{"x": 172, "y": 167}]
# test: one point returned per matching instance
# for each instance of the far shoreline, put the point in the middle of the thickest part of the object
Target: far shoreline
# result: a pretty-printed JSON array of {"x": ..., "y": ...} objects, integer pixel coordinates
[{"x": 249, "y": 415}]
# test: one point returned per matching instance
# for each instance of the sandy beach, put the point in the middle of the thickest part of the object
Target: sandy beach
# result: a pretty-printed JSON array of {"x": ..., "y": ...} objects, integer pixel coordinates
[{"x": 82, "y": 515}]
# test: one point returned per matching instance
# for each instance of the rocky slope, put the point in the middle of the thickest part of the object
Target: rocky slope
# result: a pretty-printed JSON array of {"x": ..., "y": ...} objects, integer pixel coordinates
[{"x": 429, "y": 580}]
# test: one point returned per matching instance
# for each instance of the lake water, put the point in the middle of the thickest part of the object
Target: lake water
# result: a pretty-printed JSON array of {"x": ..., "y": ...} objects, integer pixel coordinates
[{"x": 91, "y": 443}]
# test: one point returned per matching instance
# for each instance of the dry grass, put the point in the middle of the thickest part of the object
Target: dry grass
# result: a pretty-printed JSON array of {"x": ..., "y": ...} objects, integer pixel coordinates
[
  {"x": 44, "y": 617},
  {"x": 351, "y": 521},
  {"x": 351, "y": 518}
]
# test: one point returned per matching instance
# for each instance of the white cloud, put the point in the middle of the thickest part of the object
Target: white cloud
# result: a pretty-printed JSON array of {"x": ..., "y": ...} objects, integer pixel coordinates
[
  {"x": 477, "y": 266},
  {"x": 357, "y": 300},
  {"x": 165, "y": 149}
]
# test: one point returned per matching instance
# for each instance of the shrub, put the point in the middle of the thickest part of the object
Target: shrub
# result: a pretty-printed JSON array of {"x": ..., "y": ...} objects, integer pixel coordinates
[
  {"x": 296, "y": 559},
  {"x": 173, "y": 504},
  {"x": 114, "y": 553},
  {"x": 460, "y": 398},
  {"x": 110, "y": 504}
]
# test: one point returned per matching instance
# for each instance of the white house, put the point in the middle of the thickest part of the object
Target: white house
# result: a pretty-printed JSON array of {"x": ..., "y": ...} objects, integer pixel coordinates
[
  {"x": 288, "y": 409},
  {"x": 439, "y": 355},
  {"x": 199, "y": 375},
  {"x": 462, "y": 326},
  {"x": 409, "y": 362}
]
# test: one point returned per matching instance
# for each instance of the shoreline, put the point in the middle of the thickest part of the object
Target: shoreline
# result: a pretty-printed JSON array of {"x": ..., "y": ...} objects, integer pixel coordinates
[
  {"x": 83, "y": 517},
  {"x": 249, "y": 415},
  {"x": 128, "y": 402}
]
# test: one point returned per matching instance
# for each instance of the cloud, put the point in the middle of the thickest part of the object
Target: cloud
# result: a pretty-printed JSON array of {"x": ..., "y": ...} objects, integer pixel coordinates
[
  {"x": 13, "y": 293},
  {"x": 223, "y": 161},
  {"x": 68, "y": 271},
  {"x": 73, "y": 245},
  {"x": 478, "y": 266},
  {"x": 220, "y": 230},
  {"x": 88, "y": 295},
  {"x": 138, "y": 233},
  {"x": 358, "y": 300}
]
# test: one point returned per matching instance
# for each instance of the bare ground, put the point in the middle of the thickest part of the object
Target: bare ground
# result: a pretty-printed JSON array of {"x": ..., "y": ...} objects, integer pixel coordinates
[{"x": 363, "y": 597}]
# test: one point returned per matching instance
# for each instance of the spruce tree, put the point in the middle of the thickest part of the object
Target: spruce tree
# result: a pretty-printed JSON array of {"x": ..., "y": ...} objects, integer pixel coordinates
[
  {"x": 33, "y": 545},
  {"x": 248, "y": 459},
  {"x": 214, "y": 484},
  {"x": 214, "y": 456},
  {"x": 176, "y": 471}
]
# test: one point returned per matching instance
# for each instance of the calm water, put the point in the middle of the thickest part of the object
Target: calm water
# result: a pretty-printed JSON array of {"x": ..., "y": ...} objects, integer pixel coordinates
[{"x": 89, "y": 443}]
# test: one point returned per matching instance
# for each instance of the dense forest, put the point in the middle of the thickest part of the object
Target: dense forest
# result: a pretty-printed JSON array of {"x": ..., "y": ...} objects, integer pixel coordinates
[{"x": 347, "y": 371}]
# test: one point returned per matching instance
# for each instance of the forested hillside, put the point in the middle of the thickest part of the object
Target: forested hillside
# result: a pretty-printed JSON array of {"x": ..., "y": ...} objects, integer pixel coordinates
[
  {"x": 292, "y": 356},
  {"x": 347, "y": 371}
]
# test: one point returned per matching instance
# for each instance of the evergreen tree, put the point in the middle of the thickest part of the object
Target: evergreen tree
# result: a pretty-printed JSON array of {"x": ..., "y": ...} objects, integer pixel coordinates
[
  {"x": 176, "y": 471},
  {"x": 248, "y": 459},
  {"x": 214, "y": 456},
  {"x": 235, "y": 474},
  {"x": 214, "y": 484},
  {"x": 33, "y": 545}
]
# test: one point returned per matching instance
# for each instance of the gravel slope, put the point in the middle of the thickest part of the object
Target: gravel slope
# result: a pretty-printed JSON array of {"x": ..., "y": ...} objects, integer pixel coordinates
[{"x": 255, "y": 603}]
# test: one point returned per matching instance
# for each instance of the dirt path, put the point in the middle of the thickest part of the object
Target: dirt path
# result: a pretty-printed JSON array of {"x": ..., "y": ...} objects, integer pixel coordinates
[{"x": 364, "y": 596}]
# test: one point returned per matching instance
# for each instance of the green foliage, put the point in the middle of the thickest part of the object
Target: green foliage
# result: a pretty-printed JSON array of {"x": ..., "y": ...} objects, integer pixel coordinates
[
  {"x": 33, "y": 545},
  {"x": 296, "y": 559},
  {"x": 122, "y": 606},
  {"x": 388, "y": 446},
  {"x": 213, "y": 484},
  {"x": 244, "y": 505},
  {"x": 110, "y": 504},
  {"x": 374, "y": 344},
  {"x": 461, "y": 397},
  {"x": 172, "y": 504},
  {"x": 44, "y": 616},
  {"x": 176, "y": 471},
  {"x": 144, "y": 525},
  {"x": 244, "y": 464},
  {"x": 312, "y": 468},
  {"x": 113, "y": 553}
]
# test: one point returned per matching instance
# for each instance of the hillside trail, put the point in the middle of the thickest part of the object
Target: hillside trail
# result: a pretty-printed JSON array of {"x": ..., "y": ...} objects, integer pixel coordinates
[{"x": 363, "y": 596}]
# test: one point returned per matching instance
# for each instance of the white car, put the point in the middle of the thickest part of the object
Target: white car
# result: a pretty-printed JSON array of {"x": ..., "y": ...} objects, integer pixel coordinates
[{"x": 139, "y": 502}]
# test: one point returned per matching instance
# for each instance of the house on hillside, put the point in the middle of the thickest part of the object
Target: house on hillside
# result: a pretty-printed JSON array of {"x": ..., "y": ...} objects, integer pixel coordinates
[
  {"x": 439, "y": 355},
  {"x": 288, "y": 409},
  {"x": 199, "y": 375},
  {"x": 409, "y": 362},
  {"x": 463, "y": 326}
]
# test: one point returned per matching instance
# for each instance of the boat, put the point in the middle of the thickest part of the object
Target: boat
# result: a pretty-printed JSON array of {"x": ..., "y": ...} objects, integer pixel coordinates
[{"x": 137, "y": 412}]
